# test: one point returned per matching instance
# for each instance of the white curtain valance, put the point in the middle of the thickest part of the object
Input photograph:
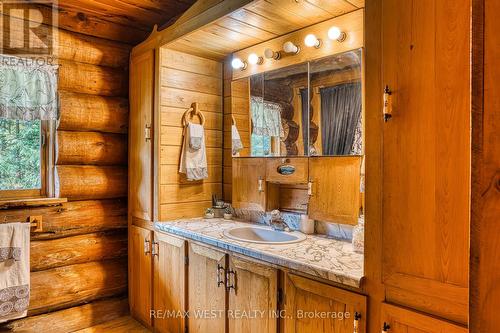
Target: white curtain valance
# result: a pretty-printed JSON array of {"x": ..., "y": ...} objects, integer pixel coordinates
[
  {"x": 266, "y": 117},
  {"x": 28, "y": 89}
]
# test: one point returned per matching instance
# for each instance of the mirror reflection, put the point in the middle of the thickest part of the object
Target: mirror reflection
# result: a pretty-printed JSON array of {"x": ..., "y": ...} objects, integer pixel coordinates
[{"x": 336, "y": 105}]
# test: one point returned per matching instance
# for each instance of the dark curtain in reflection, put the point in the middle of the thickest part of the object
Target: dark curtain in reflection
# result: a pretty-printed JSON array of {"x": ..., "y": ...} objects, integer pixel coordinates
[
  {"x": 304, "y": 94},
  {"x": 340, "y": 112}
]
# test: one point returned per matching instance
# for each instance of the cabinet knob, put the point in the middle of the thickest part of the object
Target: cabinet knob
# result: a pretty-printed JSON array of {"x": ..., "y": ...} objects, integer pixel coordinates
[
  {"x": 310, "y": 188},
  {"x": 146, "y": 246},
  {"x": 261, "y": 184},
  {"x": 155, "y": 249},
  {"x": 147, "y": 132},
  {"x": 386, "y": 328},
  {"x": 387, "y": 112},
  {"x": 231, "y": 282}
]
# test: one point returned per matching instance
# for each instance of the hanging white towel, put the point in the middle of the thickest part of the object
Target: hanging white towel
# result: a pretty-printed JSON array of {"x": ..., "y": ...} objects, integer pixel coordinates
[
  {"x": 237, "y": 145},
  {"x": 194, "y": 157},
  {"x": 14, "y": 270}
]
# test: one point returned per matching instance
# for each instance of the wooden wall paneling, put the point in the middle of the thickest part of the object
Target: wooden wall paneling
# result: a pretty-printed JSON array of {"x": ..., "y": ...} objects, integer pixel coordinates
[
  {"x": 485, "y": 229},
  {"x": 71, "y": 319},
  {"x": 84, "y": 112},
  {"x": 62, "y": 287},
  {"x": 351, "y": 23},
  {"x": 92, "y": 79},
  {"x": 46, "y": 254},
  {"x": 91, "y": 148},
  {"x": 91, "y": 182},
  {"x": 186, "y": 79},
  {"x": 425, "y": 151}
]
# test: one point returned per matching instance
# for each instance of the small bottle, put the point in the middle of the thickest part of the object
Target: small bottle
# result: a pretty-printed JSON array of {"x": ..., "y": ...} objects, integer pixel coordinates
[
  {"x": 358, "y": 235},
  {"x": 306, "y": 224}
]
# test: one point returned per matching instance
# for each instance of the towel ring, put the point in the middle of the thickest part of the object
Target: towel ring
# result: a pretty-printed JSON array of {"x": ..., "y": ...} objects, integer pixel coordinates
[{"x": 194, "y": 110}]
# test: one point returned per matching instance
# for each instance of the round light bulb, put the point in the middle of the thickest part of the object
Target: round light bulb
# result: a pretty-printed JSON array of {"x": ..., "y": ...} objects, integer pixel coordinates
[
  {"x": 312, "y": 41},
  {"x": 270, "y": 54},
  {"x": 238, "y": 64},
  {"x": 290, "y": 47},
  {"x": 254, "y": 59},
  {"x": 335, "y": 34}
]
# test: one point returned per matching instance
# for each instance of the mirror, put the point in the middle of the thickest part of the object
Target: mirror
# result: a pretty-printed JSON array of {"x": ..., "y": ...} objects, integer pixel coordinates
[{"x": 336, "y": 105}]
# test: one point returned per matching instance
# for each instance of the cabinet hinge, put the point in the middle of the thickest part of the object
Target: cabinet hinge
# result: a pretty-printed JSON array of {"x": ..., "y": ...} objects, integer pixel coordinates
[
  {"x": 280, "y": 296},
  {"x": 186, "y": 260}
]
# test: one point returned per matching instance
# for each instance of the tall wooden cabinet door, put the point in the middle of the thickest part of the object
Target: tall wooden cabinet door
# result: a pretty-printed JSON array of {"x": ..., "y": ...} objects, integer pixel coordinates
[
  {"x": 335, "y": 190},
  {"x": 399, "y": 320},
  {"x": 249, "y": 183},
  {"x": 426, "y": 156},
  {"x": 206, "y": 290},
  {"x": 169, "y": 263},
  {"x": 140, "y": 273},
  {"x": 140, "y": 165},
  {"x": 253, "y": 291},
  {"x": 312, "y": 306}
]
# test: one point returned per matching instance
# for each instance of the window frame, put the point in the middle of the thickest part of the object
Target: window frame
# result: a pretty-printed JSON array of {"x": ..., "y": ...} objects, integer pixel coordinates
[{"x": 47, "y": 160}]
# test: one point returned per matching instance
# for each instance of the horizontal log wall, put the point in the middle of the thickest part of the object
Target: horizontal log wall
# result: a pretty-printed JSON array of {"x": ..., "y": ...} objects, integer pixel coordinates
[{"x": 78, "y": 262}]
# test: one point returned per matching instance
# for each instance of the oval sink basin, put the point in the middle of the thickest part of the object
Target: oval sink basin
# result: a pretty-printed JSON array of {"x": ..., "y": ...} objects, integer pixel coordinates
[{"x": 263, "y": 235}]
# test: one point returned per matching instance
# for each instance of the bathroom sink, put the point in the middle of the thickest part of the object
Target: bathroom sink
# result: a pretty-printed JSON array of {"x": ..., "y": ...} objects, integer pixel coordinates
[{"x": 263, "y": 235}]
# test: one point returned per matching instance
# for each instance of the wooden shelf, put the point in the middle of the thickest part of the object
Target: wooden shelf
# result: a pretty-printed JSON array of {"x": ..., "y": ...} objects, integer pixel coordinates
[{"x": 19, "y": 203}]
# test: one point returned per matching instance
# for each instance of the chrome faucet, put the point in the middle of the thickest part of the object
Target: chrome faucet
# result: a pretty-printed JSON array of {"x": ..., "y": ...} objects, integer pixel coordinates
[{"x": 277, "y": 222}]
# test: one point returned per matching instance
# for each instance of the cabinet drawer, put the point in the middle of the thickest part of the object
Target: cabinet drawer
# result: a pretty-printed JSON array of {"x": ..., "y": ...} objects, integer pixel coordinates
[{"x": 287, "y": 170}]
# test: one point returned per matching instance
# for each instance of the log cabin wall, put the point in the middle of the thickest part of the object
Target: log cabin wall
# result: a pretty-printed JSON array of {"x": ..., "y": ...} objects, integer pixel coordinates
[
  {"x": 185, "y": 79},
  {"x": 78, "y": 262}
]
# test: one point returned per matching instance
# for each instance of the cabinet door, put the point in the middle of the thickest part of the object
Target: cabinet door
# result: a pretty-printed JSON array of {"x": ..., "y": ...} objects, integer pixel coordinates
[
  {"x": 335, "y": 188},
  {"x": 140, "y": 273},
  {"x": 252, "y": 297},
  {"x": 426, "y": 156},
  {"x": 249, "y": 183},
  {"x": 206, "y": 296},
  {"x": 169, "y": 255},
  {"x": 140, "y": 136},
  {"x": 399, "y": 320},
  {"x": 312, "y": 306}
]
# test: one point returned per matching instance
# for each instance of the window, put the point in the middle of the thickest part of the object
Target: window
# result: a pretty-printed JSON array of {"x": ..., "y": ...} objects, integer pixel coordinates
[{"x": 25, "y": 158}]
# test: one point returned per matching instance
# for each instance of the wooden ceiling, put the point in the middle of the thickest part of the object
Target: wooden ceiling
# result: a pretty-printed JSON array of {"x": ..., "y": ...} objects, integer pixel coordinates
[
  {"x": 129, "y": 21},
  {"x": 260, "y": 21}
]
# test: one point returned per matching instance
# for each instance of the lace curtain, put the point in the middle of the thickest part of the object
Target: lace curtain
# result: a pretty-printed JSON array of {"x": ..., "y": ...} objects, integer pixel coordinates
[
  {"x": 28, "y": 90},
  {"x": 266, "y": 117}
]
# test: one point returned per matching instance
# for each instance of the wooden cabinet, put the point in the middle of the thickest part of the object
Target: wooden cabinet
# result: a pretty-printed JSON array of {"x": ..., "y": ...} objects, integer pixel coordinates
[
  {"x": 335, "y": 190},
  {"x": 140, "y": 164},
  {"x": 140, "y": 273},
  {"x": 300, "y": 173},
  {"x": 312, "y": 306},
  {"x": 207, "y": 290},
  {"x": 426, "y": 156},
  {"x": 253, "y": 289},
  {"x": 170, "y": 259},
  {"x": 399, "y": 320},
  {"x": 249, "y": 183}
]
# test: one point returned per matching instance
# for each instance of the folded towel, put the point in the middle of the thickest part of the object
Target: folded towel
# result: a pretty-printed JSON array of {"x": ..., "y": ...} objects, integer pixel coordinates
[
  {"x": 194, "y": 157},
  {"x": 236, "y": 140},
  {"x": 14, "y": 270}
]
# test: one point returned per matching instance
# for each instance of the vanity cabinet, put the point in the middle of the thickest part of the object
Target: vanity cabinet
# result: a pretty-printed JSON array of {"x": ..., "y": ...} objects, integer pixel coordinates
[
  {"x": 140, "y": 273},
  {"x": 312, "y": 306},
  {"x": 335, "y": 189},
  {"x": 169, "y": 283},
  {"x": 249, "y": 183},
  {"x": 399, "y": 320},
  {"x": 253, "y": 292},
  {"x": 207, "y": 289}
]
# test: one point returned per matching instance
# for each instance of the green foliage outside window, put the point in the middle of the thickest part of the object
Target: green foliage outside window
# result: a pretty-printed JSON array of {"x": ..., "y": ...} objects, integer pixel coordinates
[{"x": 20, "y": 154}]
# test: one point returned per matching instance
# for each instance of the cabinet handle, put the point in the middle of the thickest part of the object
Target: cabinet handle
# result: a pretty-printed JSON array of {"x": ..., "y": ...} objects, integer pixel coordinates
[
  {"x": 147, "y": 132},
  {"x": 357, "y": 317},
  {"x": 155, "y": 249},
  {"x": 220, "y": 275},
  {"x": 387, "y": 104},
  {"x": 310, "y": 188},
  {"x": 261, "y": 187},
  {"x": 386, "y": 328},
  {"x": 231, "y": 285},
  {"x": 147, "y": 246}
]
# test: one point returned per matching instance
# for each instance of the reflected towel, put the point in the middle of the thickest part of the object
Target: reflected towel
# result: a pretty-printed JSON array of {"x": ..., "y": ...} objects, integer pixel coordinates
[
  {"x": 14, "y": 270},
  {"x": 237, "y": 145},
  {"x": 194, "y": 157}
]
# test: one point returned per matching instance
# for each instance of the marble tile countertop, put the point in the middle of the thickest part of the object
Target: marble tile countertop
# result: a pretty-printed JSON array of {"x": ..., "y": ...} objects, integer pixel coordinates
[{"x": 319, "y": 256}]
